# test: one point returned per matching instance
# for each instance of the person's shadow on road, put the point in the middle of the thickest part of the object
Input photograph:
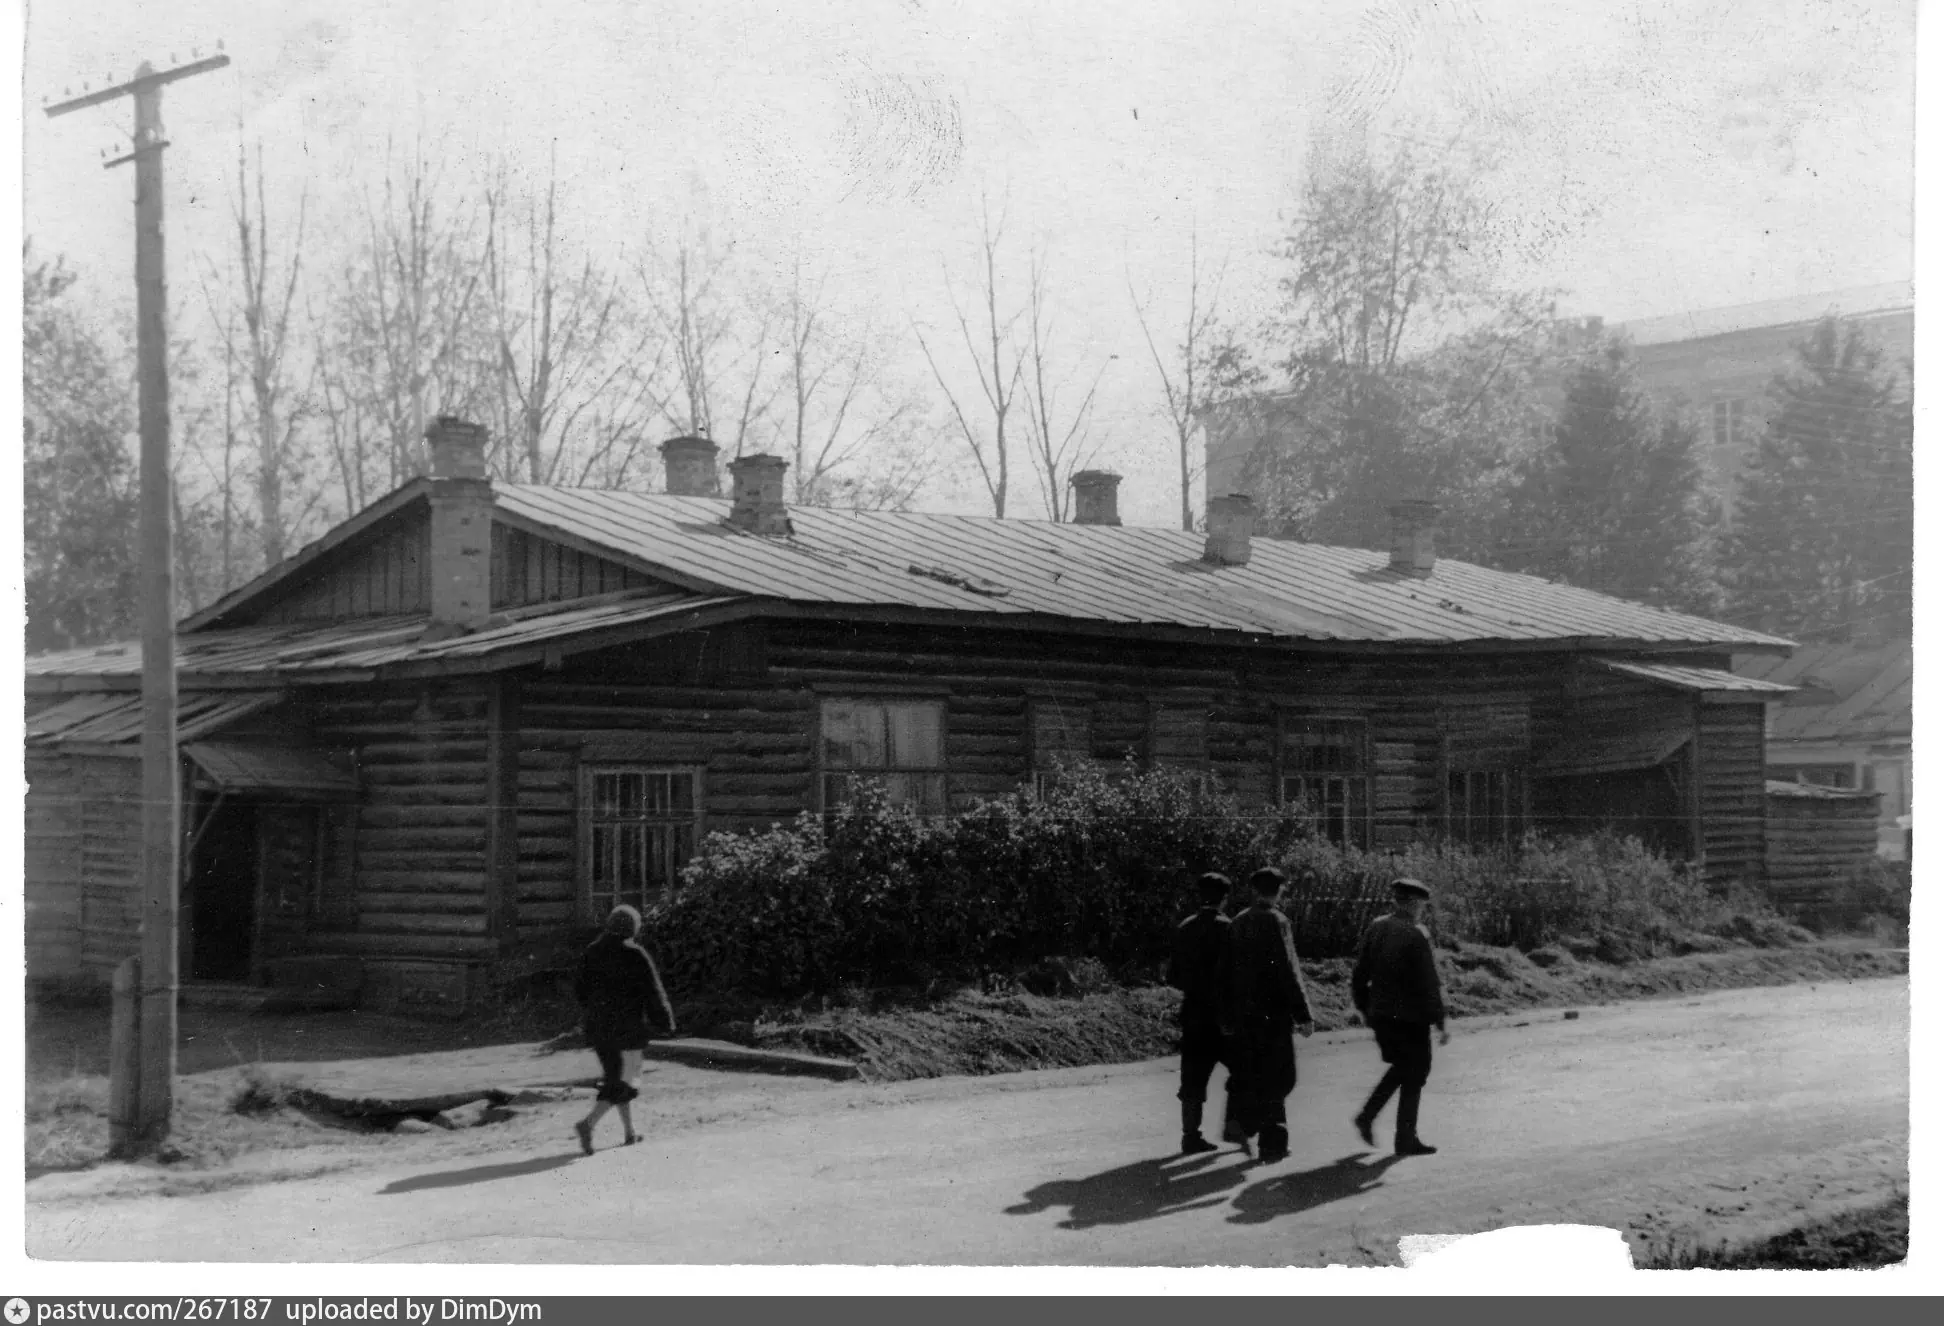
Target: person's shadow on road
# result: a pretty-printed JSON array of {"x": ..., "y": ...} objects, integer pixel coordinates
[
  {"x": 459, "y": 1178},
  {"x": 1286, "y": 1194},
  {"x": 1140, "y": 1191}
]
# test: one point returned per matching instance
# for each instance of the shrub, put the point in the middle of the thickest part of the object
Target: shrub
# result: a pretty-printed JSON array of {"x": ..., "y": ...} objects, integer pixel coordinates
[{"x": 1093, "y": 877}]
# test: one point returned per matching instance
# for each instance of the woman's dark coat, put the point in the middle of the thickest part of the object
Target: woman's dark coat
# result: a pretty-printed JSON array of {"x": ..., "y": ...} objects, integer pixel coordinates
[{"x": 617, "y": 985}]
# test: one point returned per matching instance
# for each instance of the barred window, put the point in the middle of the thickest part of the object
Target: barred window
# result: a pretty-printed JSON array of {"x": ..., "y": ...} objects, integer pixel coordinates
[
  {"x": 900, "y": 743},
  {"x": 1325, "y": 766},
  {"x": 638, "y": 829}
]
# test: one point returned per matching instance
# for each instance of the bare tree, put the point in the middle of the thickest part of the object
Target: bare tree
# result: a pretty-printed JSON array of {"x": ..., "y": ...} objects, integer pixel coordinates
[
  {"x": 409, "y": 341},
  {"x": 718, "y": 342},
  {"x": 850, "y": 438},
  {"x": 1183, "y": 372},
  {"x": 268, "y": 299},
  {"x": 1057, "y": 441},
  {"x": 563, "y": 339},
  {"x": 997, "y": 362}
]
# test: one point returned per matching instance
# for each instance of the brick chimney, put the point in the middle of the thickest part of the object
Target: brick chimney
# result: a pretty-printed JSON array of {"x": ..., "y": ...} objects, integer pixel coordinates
[
  {"x": 691, "y": 465},
  {"x": 1231, "y": 520},
  {"x": 758, "y": 492},
  {"x": 1414, "y": 537},
  {"x": 462, "y": 524},
  {"x": 1096, "y": 499}
]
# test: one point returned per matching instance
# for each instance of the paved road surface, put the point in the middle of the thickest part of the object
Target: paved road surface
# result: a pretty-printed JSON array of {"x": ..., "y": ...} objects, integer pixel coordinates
[{"x": 1722, "y": 1115}]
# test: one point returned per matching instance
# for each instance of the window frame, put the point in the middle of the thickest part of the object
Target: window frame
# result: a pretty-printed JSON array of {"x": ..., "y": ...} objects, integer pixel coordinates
[
  {"x": 1359, "y": 827},
  {"x": 1512, "y": 822},
  {"x": 584, "y": 826},
  {"x": 1045, "y": 763},
  {"x": 825, "y": 771}
]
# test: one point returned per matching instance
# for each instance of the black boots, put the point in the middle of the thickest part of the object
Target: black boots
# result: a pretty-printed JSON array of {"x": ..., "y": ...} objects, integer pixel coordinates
[{"x": 1192, "y": 1142}]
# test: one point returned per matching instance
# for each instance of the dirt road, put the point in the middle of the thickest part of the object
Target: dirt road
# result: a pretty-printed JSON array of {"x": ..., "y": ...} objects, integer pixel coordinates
[{"x": 1719, "y": 1116}]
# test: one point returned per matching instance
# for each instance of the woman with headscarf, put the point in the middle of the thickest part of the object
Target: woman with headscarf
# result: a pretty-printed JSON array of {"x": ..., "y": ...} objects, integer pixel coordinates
[{"x": 616, "y": 985}]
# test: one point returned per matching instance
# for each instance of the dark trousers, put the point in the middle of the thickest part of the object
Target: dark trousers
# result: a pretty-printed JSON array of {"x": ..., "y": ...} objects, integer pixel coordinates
[
  {"x": 1201, "y": 1049},
  {"x": 1406, "y": 1047},
  {"x": 1262, "y": 1073}
]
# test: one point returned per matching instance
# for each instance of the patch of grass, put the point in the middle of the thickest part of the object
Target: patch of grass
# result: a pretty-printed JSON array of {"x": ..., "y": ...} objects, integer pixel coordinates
[
  {"x": 897, "y": 1035},
  {"x": 1856, "y": 1240}
]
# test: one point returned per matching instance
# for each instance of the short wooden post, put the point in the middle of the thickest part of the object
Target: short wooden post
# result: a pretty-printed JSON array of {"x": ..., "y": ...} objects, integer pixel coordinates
[{"x": 125, "y": 1059}]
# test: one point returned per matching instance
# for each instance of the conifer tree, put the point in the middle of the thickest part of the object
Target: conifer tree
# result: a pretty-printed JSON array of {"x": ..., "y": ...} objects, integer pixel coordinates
[
  {"x": 1822, "y": 539},
  {"x": 1613, "y": 501}
]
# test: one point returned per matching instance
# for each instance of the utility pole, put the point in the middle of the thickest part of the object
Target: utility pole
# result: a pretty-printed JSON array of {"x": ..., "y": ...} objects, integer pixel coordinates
[{"x": 154, "y": 1090}]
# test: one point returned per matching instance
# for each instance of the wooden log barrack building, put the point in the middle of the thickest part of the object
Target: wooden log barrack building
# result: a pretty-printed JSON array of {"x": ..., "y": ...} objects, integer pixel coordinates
[{"x": 476, "y": 714}]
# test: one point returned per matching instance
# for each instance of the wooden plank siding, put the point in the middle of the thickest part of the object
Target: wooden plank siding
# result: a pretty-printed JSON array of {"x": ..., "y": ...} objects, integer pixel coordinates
[
  {"x": 386, "y": 573},
  {"x": 52, "y": 871},
  {"x": 528, "y": 569},
  {"x": 1734, "y": 802},
  {"x": 383, "y": 574}
]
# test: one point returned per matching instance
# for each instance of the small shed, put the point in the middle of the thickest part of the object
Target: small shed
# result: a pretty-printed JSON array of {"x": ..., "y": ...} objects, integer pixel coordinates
[{"x": 1818, "y": 839}]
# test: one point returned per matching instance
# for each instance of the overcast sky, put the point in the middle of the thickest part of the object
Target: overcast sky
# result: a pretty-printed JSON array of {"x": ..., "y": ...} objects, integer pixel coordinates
[{"x": 1658, "y": 155}]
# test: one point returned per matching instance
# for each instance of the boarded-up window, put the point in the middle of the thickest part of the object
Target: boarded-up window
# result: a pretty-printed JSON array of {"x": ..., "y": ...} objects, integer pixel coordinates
[
  {"x": 1178, "y": 737},
  {"x": 638, "y": 829},
  {"x": 898, "y": 743},
  {"x": 1325, "y": 765}
]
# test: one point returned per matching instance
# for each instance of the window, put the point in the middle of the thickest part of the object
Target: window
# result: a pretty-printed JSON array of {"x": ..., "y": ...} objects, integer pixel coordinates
[
  {"x": 1728, "y": 424},
  {"x": 1324, "y": 766},
  {"x": 1486, "y": 807},
  {"x": 638, "y": 828},
  {"x": 1822, "y": 775},
  {"x": 1062, "y": 734},
  {"x": 899, "y": 743}
]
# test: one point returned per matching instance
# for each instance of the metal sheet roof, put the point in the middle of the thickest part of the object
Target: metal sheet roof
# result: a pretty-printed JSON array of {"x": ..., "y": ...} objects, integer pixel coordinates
[
  {"x": 1107, "y": 574},
  {"x": 115, "y": 718},
  {"x": 298, "y": 649},
  {"x": 1713, "y": 680},
  {"x": 1849, "y": 692},
  {"x": 240, "y": 768},
  {"x": 1897, "y": 296}
]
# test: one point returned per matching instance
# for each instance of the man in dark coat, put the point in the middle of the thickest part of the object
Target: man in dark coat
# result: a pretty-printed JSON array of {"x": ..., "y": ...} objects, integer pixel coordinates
[
  {"x": 1396, "y": 991},
  {"x": 616, "y": 985},
  {"x": 1199, "y": 943},
  {"x": 1264, "y": 1003}
]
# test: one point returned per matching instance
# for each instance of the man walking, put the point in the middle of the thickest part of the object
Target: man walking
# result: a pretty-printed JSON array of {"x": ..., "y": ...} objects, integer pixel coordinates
[
  {"x": 1395, "y": 988},
  {"x": 1199, "y": 944},
  {"x": 1264, "y": 1003}
]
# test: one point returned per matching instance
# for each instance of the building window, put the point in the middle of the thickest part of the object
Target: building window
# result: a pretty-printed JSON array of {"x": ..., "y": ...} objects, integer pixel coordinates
[
  {"x": 638, "y": 829},
  {"x": 1062, "y": 734},
  {"x": 898, "y": 743},
  {"x": 1486, "y": 806},
  {"x": 1822, "y": 775},
  {"x": 1325, "y": 767},
  {"x": 1728, "y": 431}
]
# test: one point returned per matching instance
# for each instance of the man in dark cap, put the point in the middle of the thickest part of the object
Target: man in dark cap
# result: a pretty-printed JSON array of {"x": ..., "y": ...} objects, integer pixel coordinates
[
  {"x": 1264, "y": 1002},
  {"x": 1199, "y": 943},
  {"x": 1395, "y": 988}
]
